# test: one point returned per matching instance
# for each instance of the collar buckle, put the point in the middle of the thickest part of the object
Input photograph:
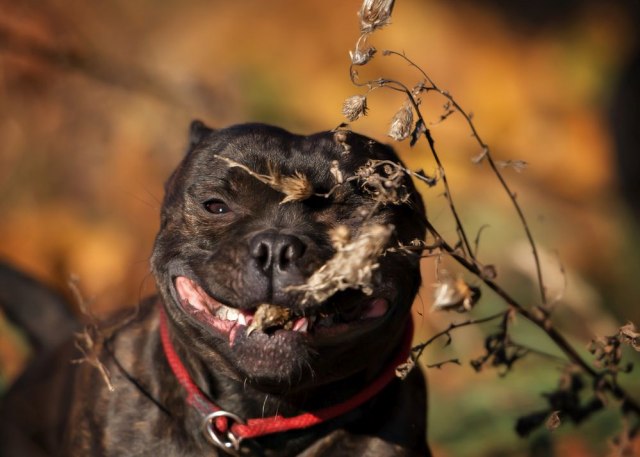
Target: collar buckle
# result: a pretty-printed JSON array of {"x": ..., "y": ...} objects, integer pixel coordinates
[{"x": 227, "y": 440}]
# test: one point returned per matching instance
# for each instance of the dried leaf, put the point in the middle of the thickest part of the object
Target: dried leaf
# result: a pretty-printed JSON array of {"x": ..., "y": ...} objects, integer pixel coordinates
[
  {"x": 480, "y": 157},
  {"x": 402, "y": 123},
  {"x": 517, "y": 165},
  {"x": 403, "y": 370},
  {"x": 456, "y": 295},
  {"x": 630, "y": 335},
  {"x": 418, "y": 130},
  {"x": 553, "y": 421},
  {"x": 489, "y": 272}
]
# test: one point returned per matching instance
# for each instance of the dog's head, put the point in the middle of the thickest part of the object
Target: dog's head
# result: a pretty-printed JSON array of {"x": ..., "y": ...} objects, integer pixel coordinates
[{"x": 272, "y": 257}]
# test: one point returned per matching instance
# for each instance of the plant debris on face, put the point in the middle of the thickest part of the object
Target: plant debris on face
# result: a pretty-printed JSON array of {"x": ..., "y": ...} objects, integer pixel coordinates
[
  {"x": 351, "y": 267},
  {"x": 295, "y": 187},
  {"x": 270, "y": 316},
  {"x": 384, "y": 181}
]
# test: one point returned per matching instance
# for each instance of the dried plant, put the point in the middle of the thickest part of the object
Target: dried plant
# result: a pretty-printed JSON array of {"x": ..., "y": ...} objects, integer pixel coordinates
[
  {"x": 375, "y": 14},
  {"x": 96, "y": 335},
  {"x": 355, "y": 107},
  {"x": 598, "y": 379},
  {"x": 402, "y": 123},
  {"x": 352, "y": 266},
  {"x": 295, "y": 187}
]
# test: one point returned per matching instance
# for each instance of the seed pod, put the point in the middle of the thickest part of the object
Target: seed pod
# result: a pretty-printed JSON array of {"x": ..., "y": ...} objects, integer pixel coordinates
[
  {"x": 375, "y": 14},
  {"x": 362, "y": 56},
  {"x": 455, "y": 294},
  {"x": 401, "y": 123},
  {"x": 355, "y": 107}
]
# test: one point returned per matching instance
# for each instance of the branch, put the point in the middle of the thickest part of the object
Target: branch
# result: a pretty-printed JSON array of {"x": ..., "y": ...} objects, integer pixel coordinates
[
  {"x": 486, "y": 154},
  {"x": 542, "y": 321}
]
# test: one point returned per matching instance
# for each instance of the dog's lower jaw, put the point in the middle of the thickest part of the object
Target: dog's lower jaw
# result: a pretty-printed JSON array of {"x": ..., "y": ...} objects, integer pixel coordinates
[
  {"x": 249, "y": 401},
  {"x": 284, "y": 362},
  {"x": 281, "y": 360},
  {"x": 287, "y": 364}
]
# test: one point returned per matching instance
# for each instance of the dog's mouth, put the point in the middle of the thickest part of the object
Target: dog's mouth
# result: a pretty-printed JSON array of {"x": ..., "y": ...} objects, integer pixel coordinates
[{"x": 268, "y": 318}]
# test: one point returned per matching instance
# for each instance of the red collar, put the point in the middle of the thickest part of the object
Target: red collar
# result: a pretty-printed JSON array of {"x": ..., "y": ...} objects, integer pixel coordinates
[{"x": 228, "y": 437}]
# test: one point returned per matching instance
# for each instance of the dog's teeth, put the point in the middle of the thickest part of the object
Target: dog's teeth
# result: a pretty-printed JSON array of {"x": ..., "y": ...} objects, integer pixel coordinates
[
  {"x": 301, "y": 325},
  {"x": 241, "y": 319},
  {"x": 232, "y": 314},
  {"x": 221, "y": 313}
]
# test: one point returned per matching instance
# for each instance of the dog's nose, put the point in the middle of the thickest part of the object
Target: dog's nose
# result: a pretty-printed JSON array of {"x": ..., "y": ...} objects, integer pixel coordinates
[{"x": 275, "y": 252}]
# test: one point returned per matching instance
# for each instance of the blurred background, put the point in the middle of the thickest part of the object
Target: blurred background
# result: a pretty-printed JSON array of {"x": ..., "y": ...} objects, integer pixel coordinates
[{"x": 96, "y": 99}]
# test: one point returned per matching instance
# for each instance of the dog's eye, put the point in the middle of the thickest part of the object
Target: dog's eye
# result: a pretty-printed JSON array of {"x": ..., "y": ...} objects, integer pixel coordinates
[{"x": 216, "y": 207}]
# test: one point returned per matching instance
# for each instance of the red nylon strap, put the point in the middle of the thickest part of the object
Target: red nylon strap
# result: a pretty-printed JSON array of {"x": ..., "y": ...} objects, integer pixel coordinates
[{"x": 275, "y": 424}]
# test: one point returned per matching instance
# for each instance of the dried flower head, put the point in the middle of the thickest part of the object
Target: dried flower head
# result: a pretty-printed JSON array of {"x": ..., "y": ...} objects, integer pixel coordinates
[
  {"x": 455, "y": 294},
  {"x": 403, "y": 370},
  {"x": 402, "y": 123},
  {"x": 362, "y": 56},
  {"x": 352, "y": 265},
  {"x": 607, "y": 351},
  {"x": 375, "y": 14},
  {"x": 384, "y": 181},
  {"x": 341, "y": 137},
  {"x": 295, "y": 187},
  {"x": 336, "y": 172},
  {"x": 553, "y": 421},
  {"x": 355, "y": 107},
  {"x": 269, "y": 316},
  {"x": 630, "y": 335}
]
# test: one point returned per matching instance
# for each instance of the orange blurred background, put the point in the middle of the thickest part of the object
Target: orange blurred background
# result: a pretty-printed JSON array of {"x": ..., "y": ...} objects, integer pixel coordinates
[{"x": 96, "y": 99}]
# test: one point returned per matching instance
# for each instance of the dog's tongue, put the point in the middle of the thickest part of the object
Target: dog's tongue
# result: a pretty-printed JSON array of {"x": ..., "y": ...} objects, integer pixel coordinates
[
  {"x": 191, "y": 292},
  {"x": 267, "y": 318},
  {"x": 378, "y": 307}
]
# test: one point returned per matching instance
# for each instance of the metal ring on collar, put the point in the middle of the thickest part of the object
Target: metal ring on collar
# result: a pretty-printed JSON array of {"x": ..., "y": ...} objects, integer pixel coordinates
[{"x": 231, "y": 443}]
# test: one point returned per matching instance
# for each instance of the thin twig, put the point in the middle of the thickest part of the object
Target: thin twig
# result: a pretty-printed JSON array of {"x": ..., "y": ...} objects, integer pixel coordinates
[
  {"x": 418, "y": 349},
  {"x": 540, "y": 320},
  {"x": 444, "y": 362},
  {"x": 400, "y": 87},
  {"x": 486, "y": 154}
]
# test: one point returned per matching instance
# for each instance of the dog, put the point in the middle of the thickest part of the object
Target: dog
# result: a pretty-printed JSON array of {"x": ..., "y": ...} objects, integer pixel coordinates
[{"x": 260, "y": 341}]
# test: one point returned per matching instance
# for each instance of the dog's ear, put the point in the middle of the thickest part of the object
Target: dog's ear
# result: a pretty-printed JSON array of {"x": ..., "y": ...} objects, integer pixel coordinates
[{"x": 197, "y": 132}]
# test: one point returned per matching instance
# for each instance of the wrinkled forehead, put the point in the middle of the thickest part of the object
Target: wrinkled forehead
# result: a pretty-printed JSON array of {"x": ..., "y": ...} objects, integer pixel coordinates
[{"x": 272, "y": 151}]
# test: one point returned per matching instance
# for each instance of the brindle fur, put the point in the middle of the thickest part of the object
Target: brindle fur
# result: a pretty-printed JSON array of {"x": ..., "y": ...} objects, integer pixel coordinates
[{"x": 58, "y": 408}]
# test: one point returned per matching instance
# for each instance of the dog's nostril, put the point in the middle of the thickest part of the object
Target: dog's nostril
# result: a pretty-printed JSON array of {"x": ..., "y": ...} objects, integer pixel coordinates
[
  {"x": 262, "y": 252},
  {"x": 276, "y": 251},
  {"x": 290, "y": 249}
]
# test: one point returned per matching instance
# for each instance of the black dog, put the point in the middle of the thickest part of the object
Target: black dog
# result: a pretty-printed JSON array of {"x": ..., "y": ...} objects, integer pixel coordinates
[{"x": 243, "y": 353}]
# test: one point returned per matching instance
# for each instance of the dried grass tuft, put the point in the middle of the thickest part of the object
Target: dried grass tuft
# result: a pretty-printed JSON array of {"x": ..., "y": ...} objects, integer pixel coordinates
[
  {"x": 295, "y": 187},
  {"x": 351, "y": 267}
]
